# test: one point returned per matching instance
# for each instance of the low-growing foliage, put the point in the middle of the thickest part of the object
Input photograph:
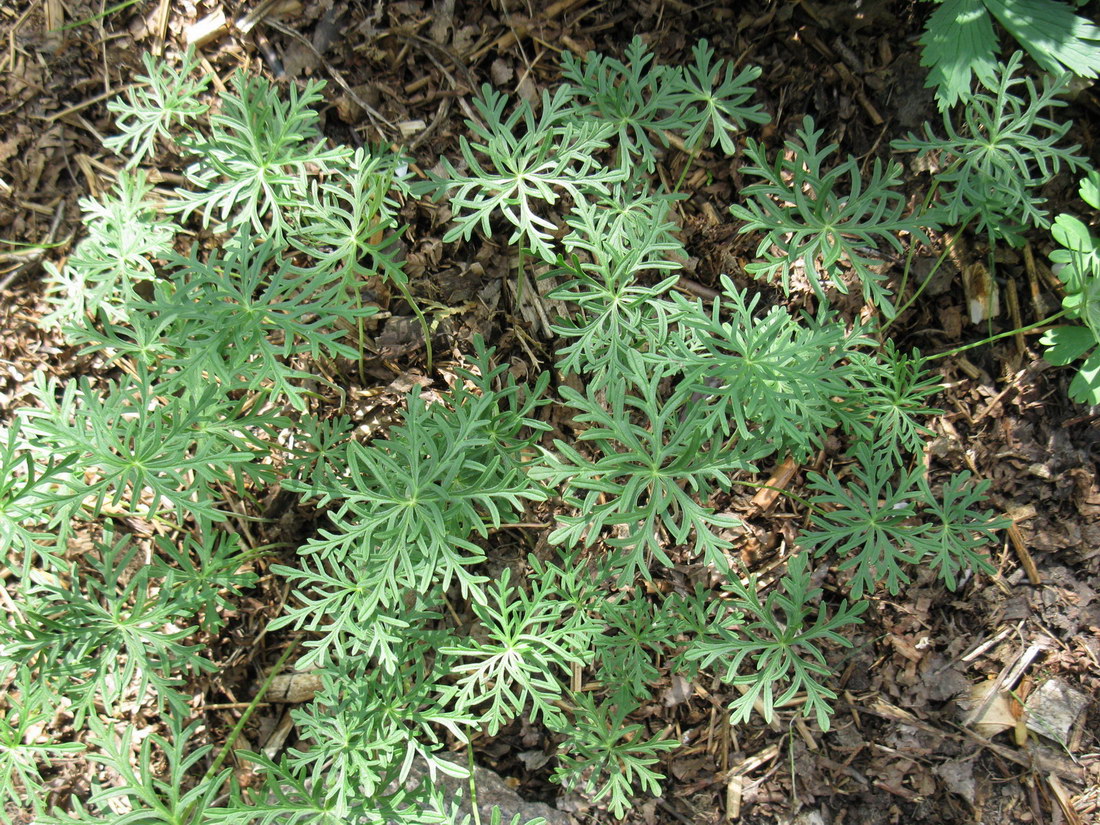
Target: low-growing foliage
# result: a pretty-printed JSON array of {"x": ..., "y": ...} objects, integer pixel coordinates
[
  {"x": 998, "y": 152},
  {"x": 959, "y": 41},
  {"x": 420, "y": 629},
  {"x": 1078, "y": 263}
]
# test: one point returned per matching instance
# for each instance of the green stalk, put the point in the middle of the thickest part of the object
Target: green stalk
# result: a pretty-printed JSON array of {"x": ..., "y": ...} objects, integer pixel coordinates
[
  {"x": 404, "y": 290},
  {"x": 683, "y": 172},
  {"x": 473, "y": 785},
  {"x": 1029, "y": 328},
  {"x": 237, "y": 728}
]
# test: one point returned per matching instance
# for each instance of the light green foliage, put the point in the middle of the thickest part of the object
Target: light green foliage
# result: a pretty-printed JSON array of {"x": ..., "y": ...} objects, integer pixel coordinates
[
  {"x": 635, "y": 98},
  {"x": 959, "y": 42},
  {"x": 30, "y": 707},
  {"x": 104, "y": 635},
  {"x": 642, "y": 99},
  {"x": 518, "y": 665},
  {"x": 607, "y": 756},
  {"x": 649, "y": 477},
  {"x": 161, "y": 795},
  {"x": 776, "y": 376},
  {"x": 1079, "y": 269},
  {"x": 130, "y": 442},
  {"x": 956, "y": 529},
  {"x": 254, "y": 164},
  {"x": 634, "y": 634},
  {"x": 407, "y": 508},
  {"x": 223, "y": 362},
  {"x": 714, "y": 100},
  {"x": 996, "y": 155},
  {"x": 618, "y": 316},
  {"x": 890, "y": 517},
  {"x": 519, "y": 160},
  {"x": 26, "y": 499},
  {"x": 366, "y": 728},
  {"x": 870, "y": 520},
  {"x": 204, "y": 576},
  {"x": 823, "y": 220},
  {"x": 348, "y": 225},
  {"x": 167, "y": 98},
  {"x": 125, "y": 237},
  {"x": 776, "y": 643},
  {"x": 891, "y": 390}
]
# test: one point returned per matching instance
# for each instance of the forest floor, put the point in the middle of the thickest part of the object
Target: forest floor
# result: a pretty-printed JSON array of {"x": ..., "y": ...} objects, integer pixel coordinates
[{"x": 907, "y": 743}]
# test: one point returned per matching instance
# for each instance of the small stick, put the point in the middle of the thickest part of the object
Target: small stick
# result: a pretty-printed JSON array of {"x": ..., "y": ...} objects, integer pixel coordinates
[
  {"x": 769, "y": 492},
  {"x": 512, "y": 37},
  {"x": 1024, "y": 555}
]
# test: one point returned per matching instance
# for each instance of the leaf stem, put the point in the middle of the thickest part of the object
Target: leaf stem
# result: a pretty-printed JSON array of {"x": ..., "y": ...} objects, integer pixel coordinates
[
  {"x": 237, "y": 728},
  {"x": 1008, "y": 333}
]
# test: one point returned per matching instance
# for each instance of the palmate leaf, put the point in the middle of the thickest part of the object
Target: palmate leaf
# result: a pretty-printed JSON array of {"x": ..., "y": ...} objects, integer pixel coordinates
[
  {"x": 888, "y": 397},
  {"x": 126, "y": 236},
  {"x": 408, "y": 507},
  {"x": 254, "y": 165},
  {"x": 637, "y": 97},
  {"x": 246, "y": 315},
  {"x": 170, "y": 98},
  {"x": 29, "y": 706},
  {"x": 26, "y": 496},
  {"x": 285, "y": 797},
  {"x": 366, "y": 727},
  {"x": 957, "y": 529},
  {"x": 518, "y": 161},
  {"x": 869, "y": 519},
  {"x": 635, "y": 633},
  {"x": 655, "y": 460},
  {"x": 605, "y": 756},
  {"x": 767, "y": 644},
  {"x": 152, "y": 794},
  {"x": 771, "y": 375},
  {"x": 517, "y": 667},
  {"x": 995, "y": 161},
  {"x": 348, "y": 223},
  {"x": 824, "y": 220},
  {"x": 109, "y": 632},
  {"x": 140, "y": 450},
  {"x": 618, "y": 315},
  {"x": 714, "y": 100}
]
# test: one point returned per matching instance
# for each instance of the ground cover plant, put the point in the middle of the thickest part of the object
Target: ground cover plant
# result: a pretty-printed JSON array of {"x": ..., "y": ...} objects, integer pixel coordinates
[{"x": 421, "y": 638}]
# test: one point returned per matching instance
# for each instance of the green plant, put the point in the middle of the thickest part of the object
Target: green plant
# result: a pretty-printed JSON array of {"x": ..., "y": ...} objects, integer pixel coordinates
[
  {"x": 125, "y": 237},
  {"x": 23, "y": 756},
  {"x": 254, "y": 165},
  {"x": 821, "y": 221},
  {"x": 101, "y": 637},
  {"x": 959, "y": 42},
  {"x": 1078, "y": 263},
  {"x": 647, "y": 477},
  {"x": 520, "y": 161},
  {"x": 151, "y": 798},
  {"x": 608, "y": 756},
  {"x": 515, "y": 668},
  {"x": 224, "y": 361},
  {"x": 170, "y": 98},
  {"x": 877, "y": 518},
  {"x": 992, "y": 164},
  {"x": 766, "y": 644}
]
